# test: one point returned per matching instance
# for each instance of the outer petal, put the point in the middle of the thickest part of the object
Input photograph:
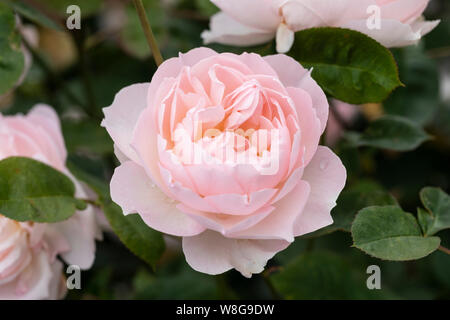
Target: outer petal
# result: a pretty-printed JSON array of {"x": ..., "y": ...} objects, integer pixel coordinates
[
  {"x": 81, "y": 231},
  {"x": 392, "y": 32},
  {"x": 424, "y": 27},
  {"x": 39, "y": 138},
  {"x": 292, "y": 74},
  {"x": 280, "y": 223},
  {"x": 44, "y": 116},
  {"x": 172, "y": 67},
  {"x": 310, "y": 125},
  {"x": 305, "y": 14},
  {"x": 326, "y": 175},
  {"x": 403, "y": 10},
  {"x": 284, "y": 38},
  {"x": 226, "y": 30},
  {"x": 122, "y": 115},
  {"x": 229, "y": 224},
  {"x": 82, "y": 241},
  {"x": 261, "y": 14},
  {"x": 132, "y": 189},
  {"x": 39, "y": 281},
  {"x": 212, "y": 253}
]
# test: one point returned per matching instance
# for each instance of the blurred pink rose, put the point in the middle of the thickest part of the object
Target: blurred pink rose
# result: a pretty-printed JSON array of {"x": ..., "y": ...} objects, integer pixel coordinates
[
  {"x": 235, "y": 197},
  {"x": 29, "y": 268},
  {"x": 347, "y": 112},
  {"x": 252, "y": 22}
]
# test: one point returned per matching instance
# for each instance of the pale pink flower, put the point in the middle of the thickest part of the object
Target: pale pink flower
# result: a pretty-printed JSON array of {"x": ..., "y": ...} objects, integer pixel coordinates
[
  {"x": 29, "y": 267},
  {"x": 393, "y": 23},
  {"x": 230, "y": 214}
]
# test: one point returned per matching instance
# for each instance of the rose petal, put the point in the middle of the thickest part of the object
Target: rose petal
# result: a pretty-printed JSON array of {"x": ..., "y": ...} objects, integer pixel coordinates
[
  {"x": 326, "y": 176},
  {"x": 279, "y": 225},
  {"x": 226, "y": 224},
  {"x": 392, "y": 33},
  {"x": 292, "y": 74},
  {"x": 212, "y": 253},
  {"x": 121, "y": 117},
  {"x": 226, "y": 30},
  {"x": 284, "y": 38},
  {"x": 132, "y": 189},
  {"x": 261, "y": 14},
  {"x": 37, "y": 282}
]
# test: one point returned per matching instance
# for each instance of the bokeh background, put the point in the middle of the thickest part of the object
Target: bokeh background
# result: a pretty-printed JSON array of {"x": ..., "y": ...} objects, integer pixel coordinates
[{"x": 79, "y": 72}]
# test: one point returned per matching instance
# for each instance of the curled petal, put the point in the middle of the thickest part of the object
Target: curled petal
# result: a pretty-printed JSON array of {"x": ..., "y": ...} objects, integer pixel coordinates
[
  {"x": 212, "y": 253},
  {"x": 226, "y": 30},
  {"x": 261, "y": 14},
  {"x": 292, "y": 74},
  {"x": 132, "y": 189},
  {"x": 393, "y": 33},
  {"x": 121, "y": 117},
  {"x": 326, "y": 176}
]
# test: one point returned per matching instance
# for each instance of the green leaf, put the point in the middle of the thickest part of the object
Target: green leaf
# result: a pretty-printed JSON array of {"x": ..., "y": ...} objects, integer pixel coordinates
[
  {"x": 144, "y": 242},
  {"x": 320, "y": 276},
  {"x": 352, "y": 200},
  {"x": 389, "y": 233},
  {"x": 32, "y": 13},
  {"x": 206, "y": 7},
  {"x": 11, "y": 56},
  {"x": 347, "y": 64},
  {"x": 393, "y": 133},
  {"x": 32, "y": 191},
  {"x": 419, "y": 99},
  {"x": 437, "y": 216}
]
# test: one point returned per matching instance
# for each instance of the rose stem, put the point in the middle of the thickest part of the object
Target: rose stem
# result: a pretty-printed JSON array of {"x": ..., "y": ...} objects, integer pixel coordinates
[
  {"x": 444, "y": 249},
  {"x": 148, "y": 32}
]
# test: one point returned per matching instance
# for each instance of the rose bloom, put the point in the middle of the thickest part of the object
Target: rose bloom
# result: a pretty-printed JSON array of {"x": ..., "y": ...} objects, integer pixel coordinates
[
  {"x": 252, "y": 22},
  {"x": 229, "y": 213},
  {"x": 29, "y": 268}
]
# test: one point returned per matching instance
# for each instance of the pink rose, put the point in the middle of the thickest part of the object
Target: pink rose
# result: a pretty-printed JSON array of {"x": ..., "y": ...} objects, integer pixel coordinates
[
  {"x": 393, "y": 23},
  {"x": 29, "y": 268},
  {"x": 222, "y": 150}
]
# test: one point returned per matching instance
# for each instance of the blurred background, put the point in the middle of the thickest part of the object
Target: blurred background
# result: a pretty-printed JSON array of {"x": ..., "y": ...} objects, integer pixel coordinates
[{"x": 78, "y": 72}]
